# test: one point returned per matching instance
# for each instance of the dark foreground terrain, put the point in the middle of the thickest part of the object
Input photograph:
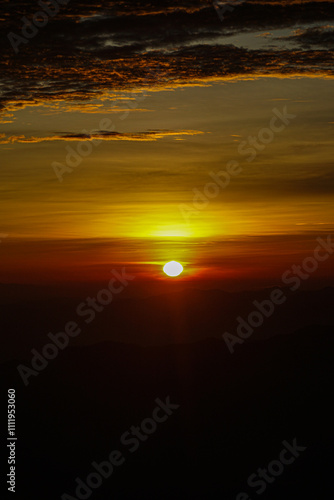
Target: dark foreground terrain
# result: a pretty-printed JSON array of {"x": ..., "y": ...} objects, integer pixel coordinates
[{"x": 234, "y": 413}]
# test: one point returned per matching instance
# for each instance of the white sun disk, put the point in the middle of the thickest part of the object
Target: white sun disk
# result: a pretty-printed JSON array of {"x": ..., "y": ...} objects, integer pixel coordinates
[{"x": 173, "y": 268}]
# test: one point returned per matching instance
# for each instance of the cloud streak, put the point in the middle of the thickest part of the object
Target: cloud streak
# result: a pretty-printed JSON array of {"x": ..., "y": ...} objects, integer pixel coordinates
[{"x": 103, "y": 135}]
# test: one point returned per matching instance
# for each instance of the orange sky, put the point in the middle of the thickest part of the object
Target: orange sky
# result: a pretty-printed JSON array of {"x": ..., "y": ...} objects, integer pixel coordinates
[
  {"x": 132, "y": 203},
  {"x": 105, "y": 171}
]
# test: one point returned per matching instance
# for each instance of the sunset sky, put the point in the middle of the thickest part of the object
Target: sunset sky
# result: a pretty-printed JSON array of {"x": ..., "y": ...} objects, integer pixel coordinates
[{"x": 153, "y": 97}]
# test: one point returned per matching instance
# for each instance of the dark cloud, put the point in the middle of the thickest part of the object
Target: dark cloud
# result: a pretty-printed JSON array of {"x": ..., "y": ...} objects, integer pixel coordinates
[
  {"x": 322, "y": 36},
  {"x": 88, "y": 49}
]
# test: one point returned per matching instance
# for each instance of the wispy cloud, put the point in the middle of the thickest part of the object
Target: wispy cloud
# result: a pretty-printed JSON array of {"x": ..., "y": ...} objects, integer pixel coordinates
[{"x": 151, "y": 135}]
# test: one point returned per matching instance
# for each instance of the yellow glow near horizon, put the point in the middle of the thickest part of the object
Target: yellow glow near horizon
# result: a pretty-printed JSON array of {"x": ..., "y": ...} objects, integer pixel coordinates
[
  {"x": 170, "y": 232},
  {"x": 173, "y": 268}
]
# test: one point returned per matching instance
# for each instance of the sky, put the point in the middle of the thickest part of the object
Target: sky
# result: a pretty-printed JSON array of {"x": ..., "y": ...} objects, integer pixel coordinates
[{"x": 117, "y": 119}]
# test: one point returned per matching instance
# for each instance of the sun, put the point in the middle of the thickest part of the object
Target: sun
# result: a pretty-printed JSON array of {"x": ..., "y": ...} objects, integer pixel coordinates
[{"x": 173, "y": 268}]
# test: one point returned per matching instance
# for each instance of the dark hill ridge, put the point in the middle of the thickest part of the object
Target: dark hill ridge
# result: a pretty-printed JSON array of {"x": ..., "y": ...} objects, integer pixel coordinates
[
  {"x": 187, "y": 316},
  {"x": 235, "y": 411}
]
